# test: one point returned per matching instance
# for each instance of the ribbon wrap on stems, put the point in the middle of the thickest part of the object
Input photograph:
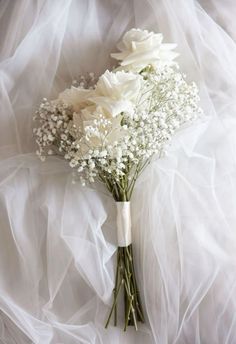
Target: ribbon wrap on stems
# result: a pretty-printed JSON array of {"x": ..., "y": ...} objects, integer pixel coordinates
[
  {"x": 123, "y": 221},
  {"x": 125, "y": 271}
]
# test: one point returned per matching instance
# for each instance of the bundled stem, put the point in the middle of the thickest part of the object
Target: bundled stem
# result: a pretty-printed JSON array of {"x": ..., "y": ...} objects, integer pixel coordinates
[
  {"x": 125, "y": 272},
  {"x": 126, "y": 280}
]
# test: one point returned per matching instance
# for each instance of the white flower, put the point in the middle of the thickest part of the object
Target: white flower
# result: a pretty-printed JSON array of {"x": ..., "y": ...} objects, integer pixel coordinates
[
  {"x": 111, "y": 130},
  {"x": 92, "y": 122},
  {"x": 140, "y": 48},
  {"x": 85, "y": 116},
  {"x": 117, "y": 92},
  {"x": 97, "y": 113},
  {"x": 77, "y": 97}
]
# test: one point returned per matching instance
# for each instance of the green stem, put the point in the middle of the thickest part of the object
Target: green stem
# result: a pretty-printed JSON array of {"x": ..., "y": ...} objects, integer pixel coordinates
[
  {"x": 125, "y": 275},
  {"x": 114, "y": 304},
  {"x": 138, "y": 301},
  {"x": 115, "y": 290}
]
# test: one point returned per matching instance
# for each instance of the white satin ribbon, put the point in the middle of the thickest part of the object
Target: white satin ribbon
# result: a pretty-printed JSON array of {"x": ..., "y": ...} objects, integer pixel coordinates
[{"x": 123, "y": 221}]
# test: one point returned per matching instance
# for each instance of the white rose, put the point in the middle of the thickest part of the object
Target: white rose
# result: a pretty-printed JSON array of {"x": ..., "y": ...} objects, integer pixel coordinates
[
  {"x": 140, "y": 48},
  {"x": 86, "y": 114},
  {"x": 86, "y": 118},
  {"x": 117, "y": 92}
]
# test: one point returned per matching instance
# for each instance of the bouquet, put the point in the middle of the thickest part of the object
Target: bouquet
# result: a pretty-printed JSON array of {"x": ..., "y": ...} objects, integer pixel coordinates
[{"x": 108, "y": 129}]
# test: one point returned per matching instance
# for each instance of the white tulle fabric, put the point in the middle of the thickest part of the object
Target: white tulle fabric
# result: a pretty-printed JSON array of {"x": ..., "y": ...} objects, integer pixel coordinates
[{"x": 58, "y": 240}]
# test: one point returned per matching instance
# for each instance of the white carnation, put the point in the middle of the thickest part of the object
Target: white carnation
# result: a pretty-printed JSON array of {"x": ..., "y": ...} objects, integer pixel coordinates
[
  {"x": 117, "y": 92},
  {"x": 77, "y": 97}
]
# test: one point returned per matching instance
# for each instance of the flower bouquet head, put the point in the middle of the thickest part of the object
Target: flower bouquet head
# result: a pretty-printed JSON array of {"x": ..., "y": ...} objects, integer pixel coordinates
[{"x": 109, "y": 129}]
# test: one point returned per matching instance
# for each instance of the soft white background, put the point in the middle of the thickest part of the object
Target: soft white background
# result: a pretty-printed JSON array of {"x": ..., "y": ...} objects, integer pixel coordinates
[{"x": 57, "y": 240}]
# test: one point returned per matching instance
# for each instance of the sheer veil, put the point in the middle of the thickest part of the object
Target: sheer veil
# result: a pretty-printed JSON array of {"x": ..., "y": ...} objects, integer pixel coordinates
[{"x": 57, "y": 239}]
